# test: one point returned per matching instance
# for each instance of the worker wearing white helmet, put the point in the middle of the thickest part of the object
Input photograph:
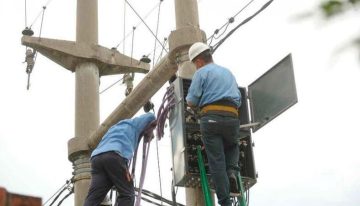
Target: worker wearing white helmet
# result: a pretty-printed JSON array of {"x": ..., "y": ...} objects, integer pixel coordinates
[{"x": 215, "y": 91}]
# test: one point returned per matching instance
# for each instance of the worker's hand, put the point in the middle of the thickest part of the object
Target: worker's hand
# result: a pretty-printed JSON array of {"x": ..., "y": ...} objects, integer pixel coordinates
[{"x": 148, "y": 131}]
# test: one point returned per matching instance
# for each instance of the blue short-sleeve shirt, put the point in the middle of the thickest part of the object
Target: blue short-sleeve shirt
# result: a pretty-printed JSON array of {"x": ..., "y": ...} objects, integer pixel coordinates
[
  {"x": 212, "y": 83},
  {"x": 123, "y": 137}
]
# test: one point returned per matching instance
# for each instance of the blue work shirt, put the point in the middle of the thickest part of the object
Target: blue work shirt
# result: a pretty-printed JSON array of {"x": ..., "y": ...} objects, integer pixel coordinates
[
  {"x": 123, "y": 137},
  {"x": 211, "y": 83}
]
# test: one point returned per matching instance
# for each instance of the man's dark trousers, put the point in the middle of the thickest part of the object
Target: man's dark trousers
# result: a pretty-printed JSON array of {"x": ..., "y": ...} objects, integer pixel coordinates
[
  {"x": 107, "y": 170},
  {"x": 220, "y": 134}
]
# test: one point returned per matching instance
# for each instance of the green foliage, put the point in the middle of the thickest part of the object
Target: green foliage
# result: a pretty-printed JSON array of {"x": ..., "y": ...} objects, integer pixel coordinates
[
  {"x": 354, "y": 1},
  {"x": 331, "y": 8}
]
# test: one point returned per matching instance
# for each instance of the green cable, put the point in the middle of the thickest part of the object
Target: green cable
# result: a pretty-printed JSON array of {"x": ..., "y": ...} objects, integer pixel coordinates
[
  {"x": 241, "y": 198},
  {"x": 203, "y": 178}
]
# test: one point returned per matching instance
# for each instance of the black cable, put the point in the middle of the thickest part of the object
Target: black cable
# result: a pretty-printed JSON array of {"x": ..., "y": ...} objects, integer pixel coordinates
[
  {"x": 66, "y": 196},
  {"x": 227, "y": 25},
  {"x": 173, "y": 193},
  {"x": 157, "y": 197},
  {"x": 149, "y": 201},
  {"x": 67, "y": 182},
  {"x": 145, "y": 24},
  {"x": 242, "y": 23},
  {"x": 233, "y": 17},
  {"x": 58, "y": 196}
]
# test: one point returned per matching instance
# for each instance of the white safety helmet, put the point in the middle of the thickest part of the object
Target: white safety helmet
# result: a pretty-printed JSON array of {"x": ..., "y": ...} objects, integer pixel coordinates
[{"x": 196, "y": 49}]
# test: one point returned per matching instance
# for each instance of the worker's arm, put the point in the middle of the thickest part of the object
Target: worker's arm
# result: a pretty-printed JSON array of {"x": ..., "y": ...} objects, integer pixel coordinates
[{"x": 195, "y": 92}]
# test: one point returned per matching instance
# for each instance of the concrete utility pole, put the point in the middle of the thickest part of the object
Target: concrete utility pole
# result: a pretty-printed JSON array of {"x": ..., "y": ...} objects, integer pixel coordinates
[
  {"x": 187, "y": 32},
  {"x": 87, "y": 113},
  {"x": 186, "y": 12},
  {"x": 89, "y": 61}
]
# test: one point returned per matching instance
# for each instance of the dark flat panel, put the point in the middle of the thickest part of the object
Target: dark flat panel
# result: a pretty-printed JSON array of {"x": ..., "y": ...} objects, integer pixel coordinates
[{"x": 272, "y": 93}]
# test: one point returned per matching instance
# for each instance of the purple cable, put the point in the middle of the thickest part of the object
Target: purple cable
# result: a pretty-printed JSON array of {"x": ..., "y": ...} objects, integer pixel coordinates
[
  {"x": 169, "y": 100},
  {"x": 146, "y": 149}
]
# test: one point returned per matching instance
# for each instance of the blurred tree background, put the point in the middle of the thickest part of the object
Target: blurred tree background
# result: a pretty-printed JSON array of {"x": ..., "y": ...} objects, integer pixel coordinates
[{"x": 333, "y": 8}]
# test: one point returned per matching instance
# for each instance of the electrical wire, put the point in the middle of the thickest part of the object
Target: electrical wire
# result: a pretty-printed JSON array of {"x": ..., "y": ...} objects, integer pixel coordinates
[
  {"x": 137, "y": 25},
  {"x": 57, "y": 196},
  {"x": 160, "y": 55},
  {"x": 124, "y": 28},
  {"x": 158, "y": 164},
  {"x": 25, "y": 14},
  {"x": 66, "y": 196},
  {"x": 158, "y": 197},
  {"x": 157, "y": 140},
  {"x": 37, "y": 17},
  {"x": 233, "y": 17},
  {"x": 157, "y": 30},
  {"x": 66, "y": 186},
  {"x": 56, "y": 192},
  {"x": 137, "y": 14},
  {"x": 112, "y": 85},
  {"x": 149, "y": 201},
  {"x": 216, "y": 46},
  {"x": 132, "y": 44},
  {"x": 167, "y": 104},
  {"x": 42, "y": 20},
  {"x": 146, "y": 149}
]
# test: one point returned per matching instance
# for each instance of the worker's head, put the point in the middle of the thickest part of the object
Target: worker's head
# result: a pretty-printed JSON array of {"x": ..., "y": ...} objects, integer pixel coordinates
[{"x": 200, "y": 54}]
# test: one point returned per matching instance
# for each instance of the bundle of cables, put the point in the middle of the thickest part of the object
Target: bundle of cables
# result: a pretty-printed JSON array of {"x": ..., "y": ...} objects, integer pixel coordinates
[{"x": 167, "y": 104}]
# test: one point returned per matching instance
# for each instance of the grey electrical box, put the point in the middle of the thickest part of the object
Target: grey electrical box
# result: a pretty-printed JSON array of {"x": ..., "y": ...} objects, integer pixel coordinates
[
  {"x": 185, "y": 136},
  {"x": 272, "y": 93}
]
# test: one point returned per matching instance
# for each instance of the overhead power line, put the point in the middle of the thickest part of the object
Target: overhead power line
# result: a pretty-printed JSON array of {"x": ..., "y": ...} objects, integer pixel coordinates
[
  {"x": 25, "y": 14},
  {"x": 230, "y": 20},
  {"x": 216, "y": 46},
  {"x": 111, "y": 85},
  {"x": 137, "y": 14},
  {"x": 137, "y": 25},
  {"x": 41, "y": 12},
  {"x": 157, "y": 30}
]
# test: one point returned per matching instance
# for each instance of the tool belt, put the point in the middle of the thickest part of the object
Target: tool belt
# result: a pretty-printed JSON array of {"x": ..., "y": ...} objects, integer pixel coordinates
[{"x": 220, "y": 108}]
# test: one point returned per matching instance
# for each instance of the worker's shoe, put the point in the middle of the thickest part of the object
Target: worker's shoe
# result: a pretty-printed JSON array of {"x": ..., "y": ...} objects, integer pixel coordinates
[{"x": 234, "y": 187}]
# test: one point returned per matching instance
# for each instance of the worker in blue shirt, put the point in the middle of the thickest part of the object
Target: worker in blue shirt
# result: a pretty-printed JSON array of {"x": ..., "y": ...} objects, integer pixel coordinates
[
  {"x": 109, "y": 161},
  {"x": 214, "y": 90}
]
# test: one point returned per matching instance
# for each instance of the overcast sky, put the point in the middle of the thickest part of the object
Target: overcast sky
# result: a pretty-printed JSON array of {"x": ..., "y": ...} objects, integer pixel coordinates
[{"x": 307, "y": 156}]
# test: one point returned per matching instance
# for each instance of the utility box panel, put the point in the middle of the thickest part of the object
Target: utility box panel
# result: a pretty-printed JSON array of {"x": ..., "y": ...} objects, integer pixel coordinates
[
  {"x": 272, "y": 93},
  {"x": 186, "y": 136}
]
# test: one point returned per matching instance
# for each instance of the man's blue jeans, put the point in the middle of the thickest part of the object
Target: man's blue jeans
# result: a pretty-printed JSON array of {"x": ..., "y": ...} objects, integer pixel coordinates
[{"x": 220, "y": 135}]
